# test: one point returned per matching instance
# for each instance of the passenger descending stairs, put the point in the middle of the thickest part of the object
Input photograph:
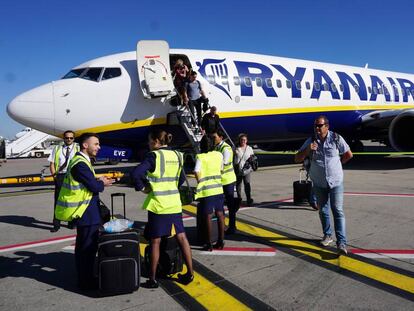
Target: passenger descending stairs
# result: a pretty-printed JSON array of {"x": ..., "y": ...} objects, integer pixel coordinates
[{"x": 184, "y": 117}]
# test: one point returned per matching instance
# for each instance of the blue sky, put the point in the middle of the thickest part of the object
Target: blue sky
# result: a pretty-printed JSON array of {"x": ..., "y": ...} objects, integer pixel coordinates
[{"x": 41, "y": 40}]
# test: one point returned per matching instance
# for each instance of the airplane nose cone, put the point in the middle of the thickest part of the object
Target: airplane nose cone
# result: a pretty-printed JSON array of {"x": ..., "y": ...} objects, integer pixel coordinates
[{"x": 34, "y": 108}]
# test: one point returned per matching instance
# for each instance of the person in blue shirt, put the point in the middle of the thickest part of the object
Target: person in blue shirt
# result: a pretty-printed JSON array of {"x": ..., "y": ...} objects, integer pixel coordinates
[
  {"x": 327, "y": 152},
  {"x": 194, "y": 96}
]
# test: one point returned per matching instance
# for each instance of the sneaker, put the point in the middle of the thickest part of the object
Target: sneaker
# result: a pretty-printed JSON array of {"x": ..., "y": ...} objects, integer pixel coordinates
[
  {"x": 327, "y": 240},
  {"x": 342, "y": 249}
]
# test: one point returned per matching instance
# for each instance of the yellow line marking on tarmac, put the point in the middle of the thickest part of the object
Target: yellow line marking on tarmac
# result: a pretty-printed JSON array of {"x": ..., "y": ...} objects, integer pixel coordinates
[
  {"x": 390, "y": 153},
  {"x": 371, "y": 271},
  {"x": 205, "y": 292}
]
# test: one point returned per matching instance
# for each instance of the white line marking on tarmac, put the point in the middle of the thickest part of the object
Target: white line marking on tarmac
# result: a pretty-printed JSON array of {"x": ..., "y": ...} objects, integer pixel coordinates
[
  {"x": 16, "y": 247},
  {"x": 384, "y": 253}
]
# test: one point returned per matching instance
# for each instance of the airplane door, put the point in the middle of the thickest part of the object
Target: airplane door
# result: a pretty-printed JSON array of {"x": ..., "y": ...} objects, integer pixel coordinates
[{"x": 154, "y": 73}]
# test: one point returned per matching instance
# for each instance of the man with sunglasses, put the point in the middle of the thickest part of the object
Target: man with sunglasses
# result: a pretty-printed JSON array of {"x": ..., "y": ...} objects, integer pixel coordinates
[
  {"x": 327, "y": 152},
  {"x": 59, "y": 160}
]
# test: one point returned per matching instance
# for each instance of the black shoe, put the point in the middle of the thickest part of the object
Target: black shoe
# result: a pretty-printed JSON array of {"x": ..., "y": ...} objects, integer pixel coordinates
[
  {"x": 230, "y": 230},
  {"x": 207, "y": 247},
  {"x": 185, "y": 279},
  {"x": 54, "y": 229},
  {"x": 71, "y": 225},
  {"x": 219, "y": 244},
  {"x": 250, "y": 201},
  {"x": 151, "y": 284}
]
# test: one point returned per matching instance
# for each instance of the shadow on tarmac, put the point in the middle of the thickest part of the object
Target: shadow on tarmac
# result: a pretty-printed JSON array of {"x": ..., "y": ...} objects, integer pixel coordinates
[
  {"x": 56, "y": 269},
  {"x": 283, "y": 206},
  {"x": 381, "y": 163},
  {"x": 26, "y": 221}
]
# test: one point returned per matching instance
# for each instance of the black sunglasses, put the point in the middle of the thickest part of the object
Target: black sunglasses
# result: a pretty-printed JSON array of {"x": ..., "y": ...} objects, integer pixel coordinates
[
  {"x": 319, "y": 125},
  {"x": 70, "y": 138}
]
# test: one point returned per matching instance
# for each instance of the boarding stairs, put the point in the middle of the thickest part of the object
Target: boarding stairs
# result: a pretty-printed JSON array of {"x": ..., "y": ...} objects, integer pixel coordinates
[
  {"x": 186, "y": 119},
  {"x": 26, "y": 143}
]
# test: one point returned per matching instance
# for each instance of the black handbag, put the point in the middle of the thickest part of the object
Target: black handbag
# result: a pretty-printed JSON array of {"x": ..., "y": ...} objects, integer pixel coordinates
[
  {"x": 104, "y": 212},
  {"x": 254, "y": 162},
  {"x": 187, "y": 193}
]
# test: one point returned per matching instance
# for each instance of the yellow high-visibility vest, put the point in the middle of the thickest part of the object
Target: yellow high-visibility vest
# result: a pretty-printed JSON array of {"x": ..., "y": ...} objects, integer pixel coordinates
[
  {"x": 228, "y": 175},
  {"x": 164, "y": 197},
  {"x": 74, "y": 197},
  {"x": 209, "y": 183},
  {"x": 58, "y": 151}
]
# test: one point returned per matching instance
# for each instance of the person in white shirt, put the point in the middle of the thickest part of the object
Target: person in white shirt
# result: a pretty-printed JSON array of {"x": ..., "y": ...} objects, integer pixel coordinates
[
  {"x": 243, "y": 167},
  {"x": 59, "y": 160}
]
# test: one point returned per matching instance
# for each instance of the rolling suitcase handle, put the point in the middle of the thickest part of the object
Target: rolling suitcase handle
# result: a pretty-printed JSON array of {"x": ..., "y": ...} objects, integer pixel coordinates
[
  {"x": 117, "y": 194},
  {"x": 300, "y": 175}
]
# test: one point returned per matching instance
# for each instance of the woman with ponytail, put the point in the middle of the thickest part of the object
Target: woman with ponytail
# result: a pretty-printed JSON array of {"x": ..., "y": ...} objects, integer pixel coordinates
[{"x": 159, "y": 175}]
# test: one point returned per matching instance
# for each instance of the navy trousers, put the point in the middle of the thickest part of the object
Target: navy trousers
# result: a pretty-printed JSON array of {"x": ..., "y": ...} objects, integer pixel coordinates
[
  {"x": 58, "y": 185},
  {"x": 231, "y": 203},
  {"x": 85, "y": 253}
]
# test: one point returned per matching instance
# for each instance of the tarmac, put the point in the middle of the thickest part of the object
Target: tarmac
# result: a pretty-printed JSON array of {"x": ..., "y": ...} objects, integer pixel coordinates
[{"x": 273, "y": 262}]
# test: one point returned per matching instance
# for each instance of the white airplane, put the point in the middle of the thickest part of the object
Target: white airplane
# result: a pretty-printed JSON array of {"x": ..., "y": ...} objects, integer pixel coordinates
[{"x": 273, "y": 99}]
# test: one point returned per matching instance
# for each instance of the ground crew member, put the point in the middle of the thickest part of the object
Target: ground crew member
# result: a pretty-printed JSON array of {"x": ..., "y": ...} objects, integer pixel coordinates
[
  {"x": 159, "y": 175},
  {"x": 228, "y": 178},
  {"x": 327, "y": 151},
  {"x": 59, "y": 161},
  {"x": 78, "y": 201},
  {"x": 208, "y": 168}
]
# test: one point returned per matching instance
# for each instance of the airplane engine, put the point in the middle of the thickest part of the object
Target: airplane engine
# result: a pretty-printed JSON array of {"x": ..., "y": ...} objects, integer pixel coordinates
[{"x": 401, "y": 131}]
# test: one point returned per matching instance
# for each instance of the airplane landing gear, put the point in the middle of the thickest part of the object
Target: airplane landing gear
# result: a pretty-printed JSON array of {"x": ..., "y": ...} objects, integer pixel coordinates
[{"x": 356, "y": 146}]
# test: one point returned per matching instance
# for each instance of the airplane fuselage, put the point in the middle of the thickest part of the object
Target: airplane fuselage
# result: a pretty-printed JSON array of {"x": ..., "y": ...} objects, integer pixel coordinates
[{"x": 273, "y": 99}]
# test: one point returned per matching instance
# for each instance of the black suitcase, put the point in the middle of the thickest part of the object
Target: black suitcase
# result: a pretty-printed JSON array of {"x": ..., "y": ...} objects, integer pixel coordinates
[
  {"x": 119, "y": 266},
  {"x": 301, "y": 190},
  {"x": 171, "y": 258},
  {"x": 201, "y": 230}
]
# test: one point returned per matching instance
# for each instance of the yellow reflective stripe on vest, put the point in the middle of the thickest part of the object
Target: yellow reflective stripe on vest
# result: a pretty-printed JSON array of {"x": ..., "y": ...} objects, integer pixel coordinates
[
  {"x": 72, "y": 204},
  {"x": 166, "y": 192},
  {"x": 72, "y": 187},
  {"x": 164, "y": 197},
  {"x": 228, "y": 170},
  {"x": 203, "y": 188},
  {"x": 161, "y": 179},
  {"x": 216, "y": 177}
]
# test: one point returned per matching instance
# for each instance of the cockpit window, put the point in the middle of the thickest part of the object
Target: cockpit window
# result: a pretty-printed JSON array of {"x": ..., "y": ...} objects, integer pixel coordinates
[
  {"x": 92, "y": 74},
  {"x": 110, "y": 73},
  {"x": 74, "y": 73}
]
